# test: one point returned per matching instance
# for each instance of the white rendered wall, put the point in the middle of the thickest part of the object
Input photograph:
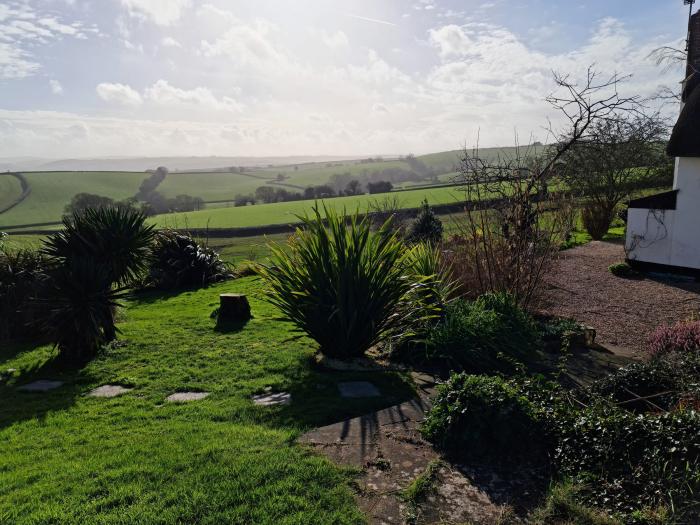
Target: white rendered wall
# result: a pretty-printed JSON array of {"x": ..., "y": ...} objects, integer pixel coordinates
[{"x": 666, "y": 236}]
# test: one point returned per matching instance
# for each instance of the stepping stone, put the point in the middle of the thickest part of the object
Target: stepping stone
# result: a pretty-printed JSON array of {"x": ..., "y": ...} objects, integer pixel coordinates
[
  {"x": 353, "y": 389},
  {"x": 43, "y": 385},
  {"x": 269, "y": 399},
  {"x": 184, "y": 397},
  {"x": 109, "y": 391}
]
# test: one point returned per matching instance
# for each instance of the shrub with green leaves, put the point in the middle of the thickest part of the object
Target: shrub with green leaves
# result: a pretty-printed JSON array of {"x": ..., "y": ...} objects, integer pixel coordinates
[
  {"x": 116, "y": 242},
  {"x": 340, "y": 283},
  {"x": 427, "y": 227},
  {"x": 621, "y": 269},
  {"x": 178, "y": 261},
  {"x": 484, "y": 335},
  {"x": 628, "y": 462},
  {"x": 484, "y": 417},
  {"x": 662, "y": 383},
  {"x": 22, "y": 273}
]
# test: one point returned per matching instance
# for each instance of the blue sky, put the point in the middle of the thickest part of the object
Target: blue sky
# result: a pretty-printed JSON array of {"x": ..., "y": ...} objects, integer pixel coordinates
[{"x": 86, "y": 78}]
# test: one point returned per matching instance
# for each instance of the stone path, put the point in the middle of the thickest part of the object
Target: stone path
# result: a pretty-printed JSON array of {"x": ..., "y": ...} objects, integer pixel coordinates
[
  {"x": 109, "y": 391},
  {"x": 389, "y": 449},
  {"x": 355, "y": 389},
  {"x": 42, "y": 385},
  {"x": 184, "y": 397},
  {"x": 272, "y": 398}
]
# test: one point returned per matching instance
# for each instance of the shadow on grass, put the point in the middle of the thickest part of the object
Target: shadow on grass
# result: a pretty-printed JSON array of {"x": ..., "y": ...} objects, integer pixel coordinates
[
  {"x": 316, "y": 399},
  {"x": 230, "y": 327},
  {"x": 18, "y": 405}
]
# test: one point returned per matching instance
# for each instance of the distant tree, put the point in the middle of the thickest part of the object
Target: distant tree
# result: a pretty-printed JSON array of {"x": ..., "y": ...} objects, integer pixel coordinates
[
  {"x": 185, "y": 203},
  {"x": 621, "y": 154},
  {"x": 323, "y": 191},
  {"x": 243, "y": 200},
  {"x": 417, "y": 165},
  {"x": 353, "y": 188},
  {"x": 83, "y": 201},
  {"x": 150, "y": 184},
  {"x": 265, "y": 194},
  {"x": 339, "y": 181},
  {"x": 380, "y": 187},
  {"x": 427, "y": 227}
]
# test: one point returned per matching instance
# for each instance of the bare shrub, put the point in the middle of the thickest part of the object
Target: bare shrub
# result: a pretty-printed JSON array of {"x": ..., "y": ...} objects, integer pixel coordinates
[{"x": 512, "y": 227}]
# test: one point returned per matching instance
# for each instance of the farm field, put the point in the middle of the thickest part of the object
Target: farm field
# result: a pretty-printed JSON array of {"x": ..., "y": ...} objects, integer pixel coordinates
[
  {"x": 10, "y": 190},
  {"x": 72, "y": 459},
  {"x": 52, "y": 191},
  {"x": 286, "y": 212}
]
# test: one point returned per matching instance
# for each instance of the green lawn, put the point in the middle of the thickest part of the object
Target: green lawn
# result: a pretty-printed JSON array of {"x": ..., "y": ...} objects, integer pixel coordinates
[
  {"x": 71, "y": 459},
  {"x": 286, "y": 212}
]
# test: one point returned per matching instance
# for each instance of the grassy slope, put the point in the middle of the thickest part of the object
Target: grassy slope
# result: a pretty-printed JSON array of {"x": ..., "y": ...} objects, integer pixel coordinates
[
  {"x": 71, "y": 459},
  {"x": 51, "y": 191},
  {"x": 209, "y": 186},
  {"x": 10, "y": 190},
  {"x": 285, "y": 212}
]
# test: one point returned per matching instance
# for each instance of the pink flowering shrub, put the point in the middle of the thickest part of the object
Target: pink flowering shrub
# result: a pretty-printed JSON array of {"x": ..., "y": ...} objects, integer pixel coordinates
[{"x": 683, "y": 337}]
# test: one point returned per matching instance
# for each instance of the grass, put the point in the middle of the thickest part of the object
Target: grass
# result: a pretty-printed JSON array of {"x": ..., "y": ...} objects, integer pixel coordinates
[
  {"x": 10, "y": 190},
  {"x": 52, "y": 191},
  {"x": 419, "y": 490},
  {"x": 67, "y": 458},
  {"x": 286, "y": 212},
  {"x": 561, "y": 508}
]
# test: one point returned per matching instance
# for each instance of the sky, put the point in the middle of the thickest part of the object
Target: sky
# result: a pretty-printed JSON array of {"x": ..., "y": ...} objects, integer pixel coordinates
[{"x": 90, "y": 78}]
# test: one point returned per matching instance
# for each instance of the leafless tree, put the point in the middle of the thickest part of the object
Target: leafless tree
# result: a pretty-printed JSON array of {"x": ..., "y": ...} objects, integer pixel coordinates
[
  {"x": 514, "y": 222},
  {"x": 618, "y": 157}
]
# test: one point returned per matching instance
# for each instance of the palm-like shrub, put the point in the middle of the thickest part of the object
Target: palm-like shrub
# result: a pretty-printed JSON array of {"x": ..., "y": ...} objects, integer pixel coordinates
[
  {"x": 116, "y": 239},
  {"x": 178, "y": 261},
  {"x": 96, "y": 251},
  {"x": 340, "y": 283},
  {"x": 22, "y": 273},
  {"x": 80, "y": 302}
]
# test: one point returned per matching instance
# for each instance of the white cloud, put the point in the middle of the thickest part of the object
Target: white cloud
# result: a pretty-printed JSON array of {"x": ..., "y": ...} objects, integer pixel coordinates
[
  {"x": 56, "y": 87},
  {"x": 15, "y": 63},
  {"x": 335, "y": 40},
  {"x": 451, "y": 40},
  {"x": 169, "y": 41},
  {"x": 119, "y": 94},
  {"x": 162, "y": 12},
  {"x": 163, "y": 93},
  {"x": 245, "y": 44}
]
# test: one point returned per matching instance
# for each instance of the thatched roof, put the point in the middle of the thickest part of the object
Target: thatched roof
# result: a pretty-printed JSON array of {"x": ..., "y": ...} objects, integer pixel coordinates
[{"x": 685, "y": 139}]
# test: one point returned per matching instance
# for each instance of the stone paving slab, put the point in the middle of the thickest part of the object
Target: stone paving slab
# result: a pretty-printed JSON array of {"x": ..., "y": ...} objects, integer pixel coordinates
[
  {"x": 270, "y": 399},
  {"x": 109, "y": 391},
  {"x": 42, "y": 385},
  {"x": 184, "y": 397},
  {"x": 388, "y": 447},
  {"x": 356, "y": 389}
]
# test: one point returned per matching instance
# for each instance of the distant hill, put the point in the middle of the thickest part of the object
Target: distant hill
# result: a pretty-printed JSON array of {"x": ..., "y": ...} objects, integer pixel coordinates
[
  {"x": 144, "y": 163},
  {"x": 52, "y": 183}
]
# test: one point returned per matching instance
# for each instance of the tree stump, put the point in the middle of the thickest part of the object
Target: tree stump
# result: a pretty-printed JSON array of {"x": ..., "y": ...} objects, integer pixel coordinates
[{"x": 233, "y": 308}]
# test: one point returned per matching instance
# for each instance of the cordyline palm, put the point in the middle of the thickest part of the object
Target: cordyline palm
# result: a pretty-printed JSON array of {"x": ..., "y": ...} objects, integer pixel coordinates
[
  {"x": 339, "y": 282},
  {"x": 80, "y": 306},
  {"x": 116, "y": 238}
]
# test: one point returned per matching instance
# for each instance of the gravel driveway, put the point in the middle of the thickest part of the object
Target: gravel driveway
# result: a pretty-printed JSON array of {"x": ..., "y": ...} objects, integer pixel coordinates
[{"x": 623, "y": 311}]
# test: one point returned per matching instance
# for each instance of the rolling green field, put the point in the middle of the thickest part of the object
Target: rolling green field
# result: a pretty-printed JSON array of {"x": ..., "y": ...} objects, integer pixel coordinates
[
  {"x": 10, "y": 190},
  {"x": 52, "y": 191},
  {"x": 72, "y": 459},
  {"x": 286, "y": 212}
]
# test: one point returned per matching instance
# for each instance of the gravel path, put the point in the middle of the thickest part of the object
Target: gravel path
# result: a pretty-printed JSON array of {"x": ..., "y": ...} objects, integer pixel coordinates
[{"x": 623, "y": 311}]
